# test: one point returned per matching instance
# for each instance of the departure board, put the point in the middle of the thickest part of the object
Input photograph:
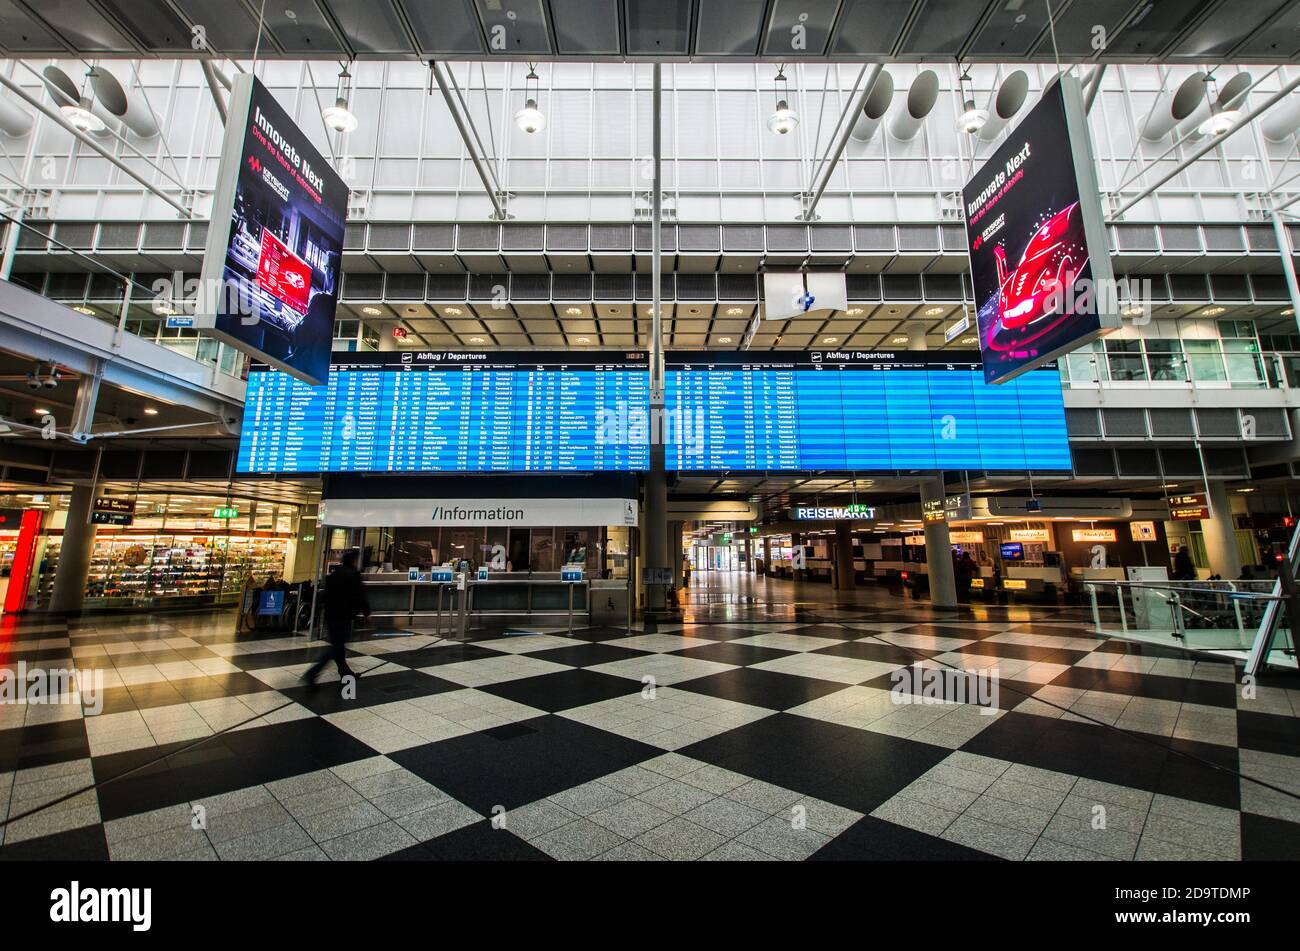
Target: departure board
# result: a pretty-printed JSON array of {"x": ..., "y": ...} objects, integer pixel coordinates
[
  {"x": 450, "y": 411},
  {"x": 859, "y": 410}
]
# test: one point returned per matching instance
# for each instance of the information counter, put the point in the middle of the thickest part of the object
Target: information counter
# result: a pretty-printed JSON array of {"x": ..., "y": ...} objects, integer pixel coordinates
[{"x": 454, "y": 606}]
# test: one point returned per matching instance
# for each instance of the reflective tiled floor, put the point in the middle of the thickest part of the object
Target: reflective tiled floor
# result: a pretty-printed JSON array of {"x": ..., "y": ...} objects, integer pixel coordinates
[{"x": 765, "y": 726}]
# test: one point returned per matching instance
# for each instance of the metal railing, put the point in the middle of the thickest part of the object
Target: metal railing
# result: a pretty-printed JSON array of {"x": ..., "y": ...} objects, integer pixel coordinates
[{"x": 1224, "y": 617}]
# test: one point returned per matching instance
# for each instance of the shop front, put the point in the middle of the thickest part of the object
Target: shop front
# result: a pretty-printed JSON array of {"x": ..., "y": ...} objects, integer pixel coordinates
[{"x": 160, "y": 549}]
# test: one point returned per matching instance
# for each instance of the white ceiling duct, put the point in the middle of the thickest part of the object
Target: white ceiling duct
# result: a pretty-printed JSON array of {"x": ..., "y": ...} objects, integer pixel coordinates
[
  {"x": 874, "y": 109},
  {"x": 1003, "y": 107},
  {"x": 14, "y": 120},
  {"x": 130, "y": 109},
  {"x": 1172, "y": 108},
  {"x": 921, "y": 97},
  {"x": 1281, "y": 122},
  {"x": 64, "y": 92}
]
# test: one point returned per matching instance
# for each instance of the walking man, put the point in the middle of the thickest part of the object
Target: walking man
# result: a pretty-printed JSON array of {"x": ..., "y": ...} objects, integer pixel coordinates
[{"x": 345, "y": 598}]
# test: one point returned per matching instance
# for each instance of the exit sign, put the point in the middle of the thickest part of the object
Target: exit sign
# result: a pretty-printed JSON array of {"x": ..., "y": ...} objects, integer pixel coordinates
[{"x": 226, "y": 511}]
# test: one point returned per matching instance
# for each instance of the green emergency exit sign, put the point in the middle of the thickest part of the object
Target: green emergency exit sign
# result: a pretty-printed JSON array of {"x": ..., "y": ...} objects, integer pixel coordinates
[{"x": 226, "y": 511}]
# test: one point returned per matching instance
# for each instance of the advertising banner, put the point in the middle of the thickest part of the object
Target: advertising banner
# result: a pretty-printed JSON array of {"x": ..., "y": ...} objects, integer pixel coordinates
[
  {"x": 1037, "y": 241},
  {"x": 271, "y": 268}
]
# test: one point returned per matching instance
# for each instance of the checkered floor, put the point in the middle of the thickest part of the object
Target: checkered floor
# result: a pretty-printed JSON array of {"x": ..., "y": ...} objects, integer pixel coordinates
[{"x": 771, "y": 733}]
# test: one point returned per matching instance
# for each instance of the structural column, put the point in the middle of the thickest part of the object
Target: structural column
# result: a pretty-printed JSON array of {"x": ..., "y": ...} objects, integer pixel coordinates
[
  {"x": 675, "y": 529},
  {"x": 767, "y": 555},
  {"x": 70, "y": 574},
  {"x": 655, "y": 557},
  {"x": 845, "y": 576},
  {"x": 938, "y": 550},
  {"x": 796, "y": 552},
  {"x": 1219, "y": 535}
]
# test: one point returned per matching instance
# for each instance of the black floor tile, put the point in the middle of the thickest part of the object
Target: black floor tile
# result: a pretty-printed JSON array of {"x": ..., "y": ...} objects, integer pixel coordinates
[
  {"x": 1267, "y": 732},
  {"x": 1154, "y": 686},
  {"x": 564, "y": 690},
  {"x": 724, "y": 632},
  {"x": 1037, "y": 655},
  {"x": 86, "y": 844},
  {"x": 282, "y": 658},
  {"x": 142, "y": 780},
  {"x": 485, "y": 771},
  {"x": 42, "y": 745},
  {"x": 874, "y": 840},
  {"x": 383, "y": 685},
  {"x": 761, "y": 688},
  {"x": 1113, "y": 756},
  {"x": 438, "y": 656},
  {"x": 738, "y": 655},
  {"x": 955, "y": 629},
  {"x": 479, "y": 842},
  {"x": 587, "y": 655},
  {"x": 853, "y": 768},
  {"x": 1266, "y": 839},
  {"x": 869, "y": 649}
]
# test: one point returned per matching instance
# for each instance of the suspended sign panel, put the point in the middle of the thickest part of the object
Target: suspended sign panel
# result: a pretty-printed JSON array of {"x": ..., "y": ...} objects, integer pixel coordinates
[
  {"x": 271, "y": 269},
  {"x": 1037, "y": 240}
]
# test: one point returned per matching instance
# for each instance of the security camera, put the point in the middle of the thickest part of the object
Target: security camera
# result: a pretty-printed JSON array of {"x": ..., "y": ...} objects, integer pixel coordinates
[
  {"x": 51, "y": 381},
  {"x": 33, "y": 381},
  {"x": 1033, "y": 505}
]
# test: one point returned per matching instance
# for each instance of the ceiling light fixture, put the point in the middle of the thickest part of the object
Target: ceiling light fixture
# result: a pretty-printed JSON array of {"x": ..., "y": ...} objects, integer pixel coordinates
[
  {"x": 783, "y": 119},
  {"x": 338, "y": 116},
  {"x": 933, "y": 311},
  {"x": 1220, "y": 120},
  {"x": 724, "y": 340},
  {"x": 573, "y": 311},
  {"x": 150, "y": 411},
  {"x": 584, "y": 340},
  {"x": 1213, "y": 311},
  {"x": 453, "y": 311},
  {"x": 84, "y": 310},
  {"x": 41, "y": 411},
  {"x": 530, "y": 118},
  {"x": 735, "y": 311},
  {"x": 477, "y": 340},
  {"x": 80, "y": 115},
  {"x": 371, "y": 311},
  {"x": 972, "y": 119}
]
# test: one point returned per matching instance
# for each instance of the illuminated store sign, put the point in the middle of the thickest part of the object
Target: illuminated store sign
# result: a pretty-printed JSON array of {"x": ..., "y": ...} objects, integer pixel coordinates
[
  {"x": 1093, "y": 534},
  {"x": 822, "y": 513},
  {"x": 1029, "y": 535}
]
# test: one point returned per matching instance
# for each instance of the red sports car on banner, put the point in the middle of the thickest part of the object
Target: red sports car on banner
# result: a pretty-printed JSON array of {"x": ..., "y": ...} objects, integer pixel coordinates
[{"x": 1040, "y": 285}]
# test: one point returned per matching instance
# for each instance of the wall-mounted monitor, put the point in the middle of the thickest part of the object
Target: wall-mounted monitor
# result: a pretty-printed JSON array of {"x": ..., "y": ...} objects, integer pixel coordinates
[{"x": 1012, "y": 551}]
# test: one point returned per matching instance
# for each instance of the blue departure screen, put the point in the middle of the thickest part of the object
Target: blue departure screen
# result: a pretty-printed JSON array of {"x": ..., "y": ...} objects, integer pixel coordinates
[{"x": 572, "y": 412}]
